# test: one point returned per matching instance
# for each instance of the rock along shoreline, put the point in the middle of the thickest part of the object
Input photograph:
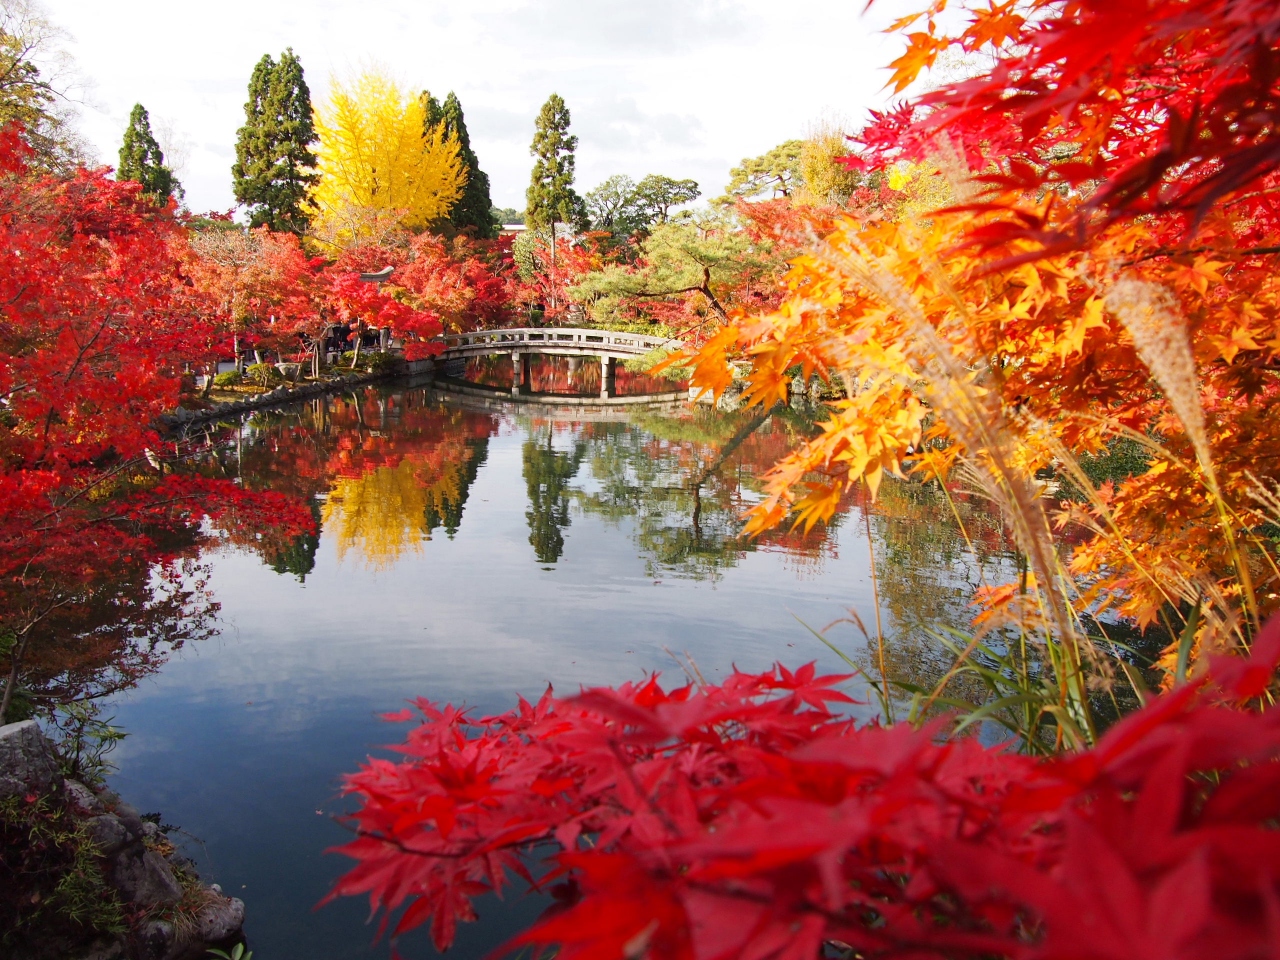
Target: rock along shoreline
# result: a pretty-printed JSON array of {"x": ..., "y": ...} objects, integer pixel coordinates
[{"x": 170, "y": 914}]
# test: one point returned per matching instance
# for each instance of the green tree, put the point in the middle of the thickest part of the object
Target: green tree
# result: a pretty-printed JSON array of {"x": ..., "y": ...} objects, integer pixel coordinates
[
  {"x": 473, "y": 208},
  {"x": 655, "y": 195},
  {"x": 551, "y": 198},
  {"x": 432, "y": 111},
  {"x": 624, "y": 207},
  {"x": 702, "y": 260},
  {"x": 142, "y": 161},
  {"x": 776, "y": 172},
  {"x": 275, "y": 166},
  {"x": 502, "y": 215},
  {"x": 609, "y": 205},
  {"x": 35, "y": 96}
]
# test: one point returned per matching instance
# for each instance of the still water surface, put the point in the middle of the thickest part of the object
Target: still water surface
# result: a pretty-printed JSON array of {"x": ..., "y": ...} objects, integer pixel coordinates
[{"x": 470, "y": 554}]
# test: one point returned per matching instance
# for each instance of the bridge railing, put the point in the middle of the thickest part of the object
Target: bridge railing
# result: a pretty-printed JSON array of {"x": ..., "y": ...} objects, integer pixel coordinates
[{"x": 580, "y": 338}]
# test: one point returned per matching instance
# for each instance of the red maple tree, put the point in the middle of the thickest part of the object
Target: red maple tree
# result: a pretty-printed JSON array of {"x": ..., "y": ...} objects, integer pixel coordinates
[
  {"x": 747, "y": 819},
  {"x": 96, "y": 330}
]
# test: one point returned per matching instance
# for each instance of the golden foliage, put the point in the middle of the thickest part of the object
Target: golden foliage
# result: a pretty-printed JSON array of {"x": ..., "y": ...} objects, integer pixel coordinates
[
  {"x": 379, "y": 161},
  {"x": 922, "y": 187},
  {"x": 825, "y": 181},
  {"x": 1006, "y": 372}
]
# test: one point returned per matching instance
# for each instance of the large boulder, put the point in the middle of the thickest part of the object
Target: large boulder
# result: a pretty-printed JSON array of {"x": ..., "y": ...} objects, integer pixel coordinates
[
  {"x": 108, "y": 833},
  {"x": 144, "y": 877},
  {"x": 82, "y": 799},
  {"x": 220, "y": 919},
  {"x": 27, "y": 761}
]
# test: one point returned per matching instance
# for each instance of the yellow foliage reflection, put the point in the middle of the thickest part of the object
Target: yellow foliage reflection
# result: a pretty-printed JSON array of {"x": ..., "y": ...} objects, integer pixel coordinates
[
  {"x": 389, "y": 511},
  {"x": 382, "y": 513}
]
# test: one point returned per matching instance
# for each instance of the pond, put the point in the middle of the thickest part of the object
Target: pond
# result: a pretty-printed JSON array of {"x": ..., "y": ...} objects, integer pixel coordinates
[{"x": 470, "y": 552}]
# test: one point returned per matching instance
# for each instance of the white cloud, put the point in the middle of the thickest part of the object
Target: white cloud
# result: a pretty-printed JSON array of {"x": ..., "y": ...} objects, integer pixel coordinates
[{"x": 681, "y": 87}]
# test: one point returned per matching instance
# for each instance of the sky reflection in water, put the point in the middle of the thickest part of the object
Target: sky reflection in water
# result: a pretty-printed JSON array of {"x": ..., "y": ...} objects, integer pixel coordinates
[{"x": 469, "y": 556}]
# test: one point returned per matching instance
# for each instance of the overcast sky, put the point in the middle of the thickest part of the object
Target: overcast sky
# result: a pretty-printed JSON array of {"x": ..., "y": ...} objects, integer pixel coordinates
[{"x": 685, "y": 88}]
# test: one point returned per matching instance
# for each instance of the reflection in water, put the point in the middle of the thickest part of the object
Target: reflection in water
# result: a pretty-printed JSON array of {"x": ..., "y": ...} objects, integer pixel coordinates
[
  {"x": 547, "y": 473},
  {"x": 381, "y": 512},
  {"x": 577, "y": 548},
  {"x": 121, "y": 627},
  {"x": 566, "y": 376},
  {"x": 928, "y": 573},
  {"x": 391, "y": 468},
  {"x": 684, "y": 483}
]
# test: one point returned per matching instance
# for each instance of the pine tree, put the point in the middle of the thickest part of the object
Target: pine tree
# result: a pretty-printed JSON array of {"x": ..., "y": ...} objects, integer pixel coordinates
[
  {"x": 142, "y": 161},
  {"x": 473, "y": 210},
  {"x": 275, "y": 166},
  {"x": 551, "y": 198}
]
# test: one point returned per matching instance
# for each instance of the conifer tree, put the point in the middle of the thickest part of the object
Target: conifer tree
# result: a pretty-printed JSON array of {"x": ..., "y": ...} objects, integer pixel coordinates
[
  {"x": 432, "y": 112},
  {"x": 142, "y": 161},
  {"x": 551, "y": 198},
  {"x": 473, "y": 210},
  {"x": 275, "y": 166}
]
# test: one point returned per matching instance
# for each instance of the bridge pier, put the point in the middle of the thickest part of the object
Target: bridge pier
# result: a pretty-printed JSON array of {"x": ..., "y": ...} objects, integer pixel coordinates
[
  {"x": 521, "y": 377},
  {"x": 608, "y": 377}
]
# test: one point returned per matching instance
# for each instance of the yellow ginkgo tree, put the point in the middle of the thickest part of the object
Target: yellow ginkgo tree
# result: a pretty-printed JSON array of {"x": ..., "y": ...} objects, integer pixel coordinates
[{"x": 381, "y": 163}]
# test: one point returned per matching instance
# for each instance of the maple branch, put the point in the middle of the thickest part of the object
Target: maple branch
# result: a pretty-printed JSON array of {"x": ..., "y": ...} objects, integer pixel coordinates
[
  {"x": 547, "y": 835},
  {"x": 1175, "y": 252}
]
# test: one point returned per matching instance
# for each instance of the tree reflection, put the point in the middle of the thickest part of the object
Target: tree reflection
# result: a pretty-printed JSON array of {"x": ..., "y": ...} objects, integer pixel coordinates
[
  {"x": 390, "y": 467},
  {"x": 928, "y": 568},
  {"x": 117, "y": 627},
  {"x": 298, "y": 555},
  {"x": 381, "y": 513},
  {"x": 547, "y": 473},
  {"x": 684, "y": 481}
]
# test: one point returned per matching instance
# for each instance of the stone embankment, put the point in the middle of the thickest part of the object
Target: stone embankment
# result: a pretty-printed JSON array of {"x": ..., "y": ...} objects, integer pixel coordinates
[
  {"x": 273, "y": 398},
  {"x": 172, "y": 915}
]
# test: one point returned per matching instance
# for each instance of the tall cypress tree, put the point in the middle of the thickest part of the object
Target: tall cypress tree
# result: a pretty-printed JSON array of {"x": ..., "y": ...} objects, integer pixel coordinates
[
  {"x": 432, "y": 112},
  {"x": 551, "y": 198},
  {"x": 142, "y": 161},
  {"x": 275, "y": 166},
  {"x": 472, "y": 209}
]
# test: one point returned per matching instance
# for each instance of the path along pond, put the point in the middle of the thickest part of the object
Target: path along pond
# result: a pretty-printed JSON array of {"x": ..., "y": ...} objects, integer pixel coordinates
[{"x": 469, "y": 552}]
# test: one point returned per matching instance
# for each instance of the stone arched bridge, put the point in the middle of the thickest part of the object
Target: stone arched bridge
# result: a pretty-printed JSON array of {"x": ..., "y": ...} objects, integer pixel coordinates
[{"x": 523, "y": 342}]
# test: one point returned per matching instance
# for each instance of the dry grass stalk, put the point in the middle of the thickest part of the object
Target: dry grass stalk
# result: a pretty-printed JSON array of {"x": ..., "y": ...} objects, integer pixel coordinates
[
  {"x": 1154, "y": 319},
  {"x": 997, "y": 461}
]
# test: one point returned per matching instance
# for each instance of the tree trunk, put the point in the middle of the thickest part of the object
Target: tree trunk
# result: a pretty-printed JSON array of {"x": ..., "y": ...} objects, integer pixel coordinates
[
  {"x": 553, "y": 267},
  {"x": 356, "y": 356},
  {"x": 11, "y": 682},
  {"x": 712, "y": 302}
]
